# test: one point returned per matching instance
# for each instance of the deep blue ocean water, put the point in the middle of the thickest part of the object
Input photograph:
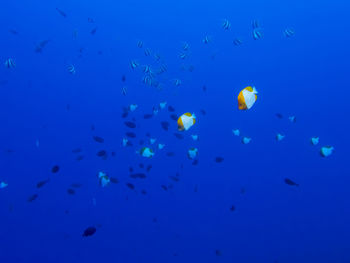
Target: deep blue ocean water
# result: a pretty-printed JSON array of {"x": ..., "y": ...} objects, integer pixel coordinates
[{"x": 239, "y": 210}]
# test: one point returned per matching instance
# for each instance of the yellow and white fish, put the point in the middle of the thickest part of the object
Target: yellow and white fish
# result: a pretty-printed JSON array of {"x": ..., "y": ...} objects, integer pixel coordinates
[
  {"x": 146, "y": 152},
  {"x": 246, "y": 140},
  {"x": 192, "y": 153},
  {"x": 186, "y": 121},
  {"x": 279, "y": 137},
  {"x": 326, "y": 151},
  {"x": 236, "y": 132},
  {"x": 3, "y": 185},
  {"x": 247, "y": 97},
  {"x": 104, "y": 179},
  {"x": 314, "y": 140}
]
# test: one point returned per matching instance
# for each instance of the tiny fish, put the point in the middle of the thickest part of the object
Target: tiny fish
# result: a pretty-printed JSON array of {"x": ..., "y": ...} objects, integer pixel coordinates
[
  {"x": 32, "y": 198},
  {"x": 130, "y": 186},
  {"x": 70, "y": 191},
  {"x": 138, "y": 175},
  {"x": 61, "y": 12},
  {"x": 101, "y": 153},
  {"x": 171, "y": 108},
  {"x": 55, "y": 169},
  {"x": 114, "y": 180},
  {"x": 165, "y": 125},
  {"x": 170, "y": 154},
  {"x": 290, "y": 182},
  {"x": 93, "y": 31},
  {"x": 130, "y": 134},
  {"x": 179, "y": 136},
  {"x": 174, "y": 178},
  {"x": 42, "y": 183},
  {"x": 203, "y": 112},
  {"x": 232, "y": 208},
  {"x": 89, "y": 231},
  {"x": 164, "y": 187},
  {"x": 130, "y": 124},
  {"x": 147, "y": 116},
  {"x": 149, "y": 167},
  {"x": 173, "y": 117},
  {"x": 98, "y": 139},
  {"x": 76, "y": 150},
  {"x": 219, "y": 159},
  {"x": 79, "y": 157}
]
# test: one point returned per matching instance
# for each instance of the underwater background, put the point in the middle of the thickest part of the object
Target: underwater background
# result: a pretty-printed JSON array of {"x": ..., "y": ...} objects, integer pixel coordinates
[{"x": 70, "y": 70}]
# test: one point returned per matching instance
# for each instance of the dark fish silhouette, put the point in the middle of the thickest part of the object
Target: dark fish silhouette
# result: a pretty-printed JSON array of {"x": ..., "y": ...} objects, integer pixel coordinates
[
  {"x": 170, "y": 154},
  {"x": 61, "y": 12},
  {"x": 130, "y": 186},
  {"x": 174, "y": 178},
  {"x": 290, "y": 182},
  {"x": 173, "y": 117},
  {"x": 171, "y": 108},
  {"x": 39, "y": 48},
  {"x": 179, "y": 136},
  {"x": 125, "y": 114},
  {"x": 55, "y": 169},
  {"x": 130, "y": 124},
  {"x": 89, "y": 231},
  {"x": 123, "y": 78},
  {"x": 195, "y": 162},
  {"x": 219, "y": 159},
  {"x": 13, "y": 32},
  {"x": 93, "y": 31},
  {"x": 279, "y": 115},
  {"x": 32, "y": 198},
  {"x": 147, "y": 116},
  {"x": 42, "y": 183},
  {"x": 98, "y": 139},
  {"x": 232, "y": 208},
  {"x": 144, "y": 192},
  {"x": 138, "y": 175},
  {"x": 204, "y": 88},
  {"x": 114, "y": 180},
  {"x": 79, "y": 157},
  {"x": 92, "y": 127},
  {"x": 164, "y": 187},
  {"x": 165, "y": 125},
  {"x": 130, "y": 134},
  {"x": 101, "y": 153},
  {"x": 71, "y": 191},
  {"x": 76, "y": 150},
  {"x": 149, "y": 167},
  {"x": 203, "y": 112}
]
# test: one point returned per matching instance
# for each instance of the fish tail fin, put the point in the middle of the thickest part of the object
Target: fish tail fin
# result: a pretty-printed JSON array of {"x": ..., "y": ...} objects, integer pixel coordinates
[{"x": 254, "y": 90}]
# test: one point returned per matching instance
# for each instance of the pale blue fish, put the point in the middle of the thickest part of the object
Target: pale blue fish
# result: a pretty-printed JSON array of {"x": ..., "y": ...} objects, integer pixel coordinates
[
  {"x": 140, "y": 43},
  {"x": 257, "y": 34},
  {"x": 326, "y": 151},
  {"x": 9, "y": 63},
  {"x": 279, "y": 137},
  {"x": 237, "y": 42},
  {"x": 185, "y": 46},
  {"x": 314, "y": 140},
  {"x": 71, "y": 69},
  {"x": 147, "y": 52},
  {"x": 134, "y": 64},
  {"x": 246, "y": 140},
  {"x": 206, "y": 40},
  {"x": 177, "y": 82},
  {"x": 288, "y": 32},
  {"x": 3, "y": 185},
  {"x": 226, "y": 24}
]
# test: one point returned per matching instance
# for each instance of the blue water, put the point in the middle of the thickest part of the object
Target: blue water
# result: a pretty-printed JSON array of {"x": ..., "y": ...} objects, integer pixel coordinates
[{"x": 46, "y": 112}]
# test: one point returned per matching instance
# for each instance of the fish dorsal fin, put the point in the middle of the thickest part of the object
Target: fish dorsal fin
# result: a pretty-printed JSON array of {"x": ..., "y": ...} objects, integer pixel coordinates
[
  {"x": 188, "y": 114},
  {"x": 249, "y": 88}
]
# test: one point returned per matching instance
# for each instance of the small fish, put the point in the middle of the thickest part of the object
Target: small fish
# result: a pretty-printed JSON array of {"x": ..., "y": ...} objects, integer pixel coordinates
[
  {"x": 165, "y": 125},
  {"x": 71, "y": 69},
  {"x": 255, "y": 24},
  {"x": 192, "y": 153},
  {"x": 183, "y": 55},
  {"x": 125, "y": 142},
  {"x": 61, "y": 12},
  {"x": 9, "y": 63},
  {"x": 13, "y": 32},
  {"x": 70, "y": 191},
  {"x": 326, "y": 151},
  {"x": 164, "y": 187},
  {"x": 123, "y": 78},
  {"x": 170, "y": 154},
  {"x": 152, "y": 140},
  {"x": 292, "y": 119},
  {"x": 171, "y": 108},
  {"x": 104, "y": 179},
  {"x": 138, "y": 175},
  {"x": 194, "y": 137},
  {"x": 185, "y": 46},
  {"x": 247, "y": 97},
  {"x": 161, "y": 146},
  {"x": 279, "y": 115},
  {"x": 93, "y": 31},
  {"x": 290, "y": 182},
  {"x": 279, "y": 137},
  {"x": 173, "y": 117},
  {"x": 203, "y": 112},
  {"x": 32, "y": 197},
  {"x": 39, "y": 48},
  {"x": 232, "y": 208},
  {"x": 130, "y": 124},
  {"x": 134, "y": 64},
  {"x": 42, "y": 183},
  {"x": 315, "y": 140},
  {"x": 257, "y": 34},
  {"x": 147, "y": 116},
  {"x": 147, "y": 52},
  {"x": 177, "y": 82},
  {"x": 148, "y": 168},
  {"x": 237, "y": 42},
  {"x": 144, "y": 192},
  {"x": 114, "y": 180},
  {"x": 288, "y": 32},
  {"x": 98, "y": 139},
  {"x": 146, "y": 152},
  {"x": 195, "y": 162},
  {"x": 130, "y": 134},
  {"x": 226, "y": 24},
  {"x": 219, "y": 159},
  {"x": 91, "y": 230},
  {"x": 124, "y": 91},
  {"x": 174, "y": 178},
  {"x": 101, "y": 153},
  {"x": 55, "y": 169},
  {"x": 130, "y": 186},
  {"x": 179, "y": 136},
  {"x": 79, "y": 157},
  {"x": 236, "y": 132},
  {"x": 206, "y": 40},
  {"x": 186, "y": 121},
  {"x": 76, "y": 150},
  {"x": 218, "y": 252},
  {"x": 3, "y": 185},
  {"x": 246, "y": 140}
]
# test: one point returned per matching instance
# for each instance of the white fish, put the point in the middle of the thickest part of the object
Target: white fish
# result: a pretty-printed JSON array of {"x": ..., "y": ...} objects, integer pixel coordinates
[
  {"x": 315, "y": 140},
  {"x": 192, "y": 153},
  {"x": 326, "y": 151},
  {"x": 236, "y": 132},
  {"x": 246, "y": 140},
  {"x": 279, "y": 137},
  {"x": 161, "y": 146},
  {"x": 133, "y": 107},
  {"x": 162, "y": 105},
  {"x": 3, "y": 185}
]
